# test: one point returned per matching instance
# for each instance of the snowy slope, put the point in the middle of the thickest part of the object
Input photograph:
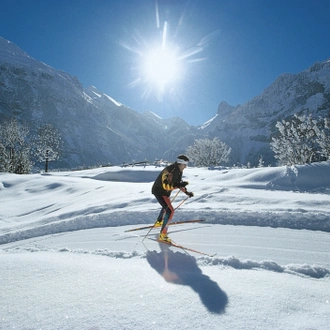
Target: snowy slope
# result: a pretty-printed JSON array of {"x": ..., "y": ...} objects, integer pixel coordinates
[{"x": 67, "y": 262}]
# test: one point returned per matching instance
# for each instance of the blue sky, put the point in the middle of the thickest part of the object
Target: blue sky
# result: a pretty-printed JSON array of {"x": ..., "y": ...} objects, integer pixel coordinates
[{"x": 225, "y": 50}]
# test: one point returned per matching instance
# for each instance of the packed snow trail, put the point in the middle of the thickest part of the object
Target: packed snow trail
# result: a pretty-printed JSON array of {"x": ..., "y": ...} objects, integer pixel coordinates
[
  {"x": 104, "y": 278},
  {"x": 298, "y": 252}
]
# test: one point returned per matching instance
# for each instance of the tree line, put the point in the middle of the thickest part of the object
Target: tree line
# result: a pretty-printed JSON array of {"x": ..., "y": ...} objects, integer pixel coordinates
[
  {"x": 20, "y": 149},
  {"x": 299, "y": 140}
]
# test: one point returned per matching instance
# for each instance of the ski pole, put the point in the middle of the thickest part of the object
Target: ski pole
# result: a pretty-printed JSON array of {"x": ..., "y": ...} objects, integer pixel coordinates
[
  {"x": 163, "y": 213},
  {"x": 181, "y": 203},
  {"x": 175, "y": 196}
]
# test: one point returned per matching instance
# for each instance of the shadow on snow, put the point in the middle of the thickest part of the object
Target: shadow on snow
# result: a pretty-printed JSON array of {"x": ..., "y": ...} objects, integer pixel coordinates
[{"x": 180, "y": 268}]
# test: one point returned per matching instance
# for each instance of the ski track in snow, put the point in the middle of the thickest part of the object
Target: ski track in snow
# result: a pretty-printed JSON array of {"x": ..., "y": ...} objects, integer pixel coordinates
[{"x": 105, "y": 215}]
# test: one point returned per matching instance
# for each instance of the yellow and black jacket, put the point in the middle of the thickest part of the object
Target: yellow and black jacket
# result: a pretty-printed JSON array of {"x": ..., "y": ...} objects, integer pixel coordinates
[{"x": 168, "y": 179}]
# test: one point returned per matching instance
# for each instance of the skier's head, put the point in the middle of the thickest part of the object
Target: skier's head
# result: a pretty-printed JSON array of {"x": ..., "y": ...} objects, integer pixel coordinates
[{"x": 183, "y": 160}]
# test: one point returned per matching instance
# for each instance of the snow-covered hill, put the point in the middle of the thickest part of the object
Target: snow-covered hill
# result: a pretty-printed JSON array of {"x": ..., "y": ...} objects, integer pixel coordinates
[{"x": 67, "y": 262}]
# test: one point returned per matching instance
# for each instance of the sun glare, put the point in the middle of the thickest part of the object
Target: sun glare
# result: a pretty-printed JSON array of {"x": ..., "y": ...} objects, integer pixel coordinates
[
  {"x": 160, "y": 67},
  {"x": 163, "y": 61}
]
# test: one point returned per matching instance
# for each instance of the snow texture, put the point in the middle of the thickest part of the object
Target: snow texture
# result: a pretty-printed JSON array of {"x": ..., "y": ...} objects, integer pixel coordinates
[{"x": 67, "y": 262}]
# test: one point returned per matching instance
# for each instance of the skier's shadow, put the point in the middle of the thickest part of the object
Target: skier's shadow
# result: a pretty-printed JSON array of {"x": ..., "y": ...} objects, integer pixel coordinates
[{"x": 179, "y": 268}]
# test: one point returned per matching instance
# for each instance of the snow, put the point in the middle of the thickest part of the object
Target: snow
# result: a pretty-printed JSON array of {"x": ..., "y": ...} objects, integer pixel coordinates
[
  {"x": 67, "y": 262},
  {"x": 118, "y": 104},
  {"x": 207, "y": 123},
  {"x": 95, "y": 94}
]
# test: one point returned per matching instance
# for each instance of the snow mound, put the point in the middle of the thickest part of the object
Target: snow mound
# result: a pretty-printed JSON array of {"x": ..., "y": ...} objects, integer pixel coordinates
[
  {"x": 306, "y": 270},
  {"x": 179, "y": 258}
]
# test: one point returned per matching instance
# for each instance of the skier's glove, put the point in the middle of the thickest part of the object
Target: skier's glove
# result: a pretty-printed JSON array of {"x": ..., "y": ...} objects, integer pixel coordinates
[
  {"x": 183, "y": 184},
  {"x": 190, "y": 194}
]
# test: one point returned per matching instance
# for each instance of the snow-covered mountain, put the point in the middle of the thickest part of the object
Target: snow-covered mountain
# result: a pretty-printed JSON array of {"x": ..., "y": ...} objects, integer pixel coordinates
[
  {"x": 248, "y": 128},
  {"x": 97, "y": 129}
]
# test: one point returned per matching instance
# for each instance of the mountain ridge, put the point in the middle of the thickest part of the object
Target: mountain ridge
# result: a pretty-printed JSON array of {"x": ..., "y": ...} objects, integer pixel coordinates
[
  {"x": 98, "y": 129},
  {"x": 252, "y": 124}
]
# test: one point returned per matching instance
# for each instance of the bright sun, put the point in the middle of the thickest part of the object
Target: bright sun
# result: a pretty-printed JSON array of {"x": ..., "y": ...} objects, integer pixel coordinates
[{"x": 160, "y": 67}]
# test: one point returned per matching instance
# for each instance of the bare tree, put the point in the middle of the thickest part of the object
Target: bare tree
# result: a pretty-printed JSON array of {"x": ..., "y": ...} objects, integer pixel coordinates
[
  {"x": 47, "y": 144},
  {"x": 15, "y": 152},
  {"x": 206, "y": 152},
  {"x": 323, "y": 139},
  {"x": 297, "y": 140}
]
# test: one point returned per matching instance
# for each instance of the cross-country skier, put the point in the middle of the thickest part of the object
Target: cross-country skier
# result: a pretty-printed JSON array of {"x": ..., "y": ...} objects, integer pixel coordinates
[{"x": 170, "y": 178}]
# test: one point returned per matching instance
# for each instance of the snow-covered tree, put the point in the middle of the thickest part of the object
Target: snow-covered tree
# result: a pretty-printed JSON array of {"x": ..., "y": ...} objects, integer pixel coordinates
[
  {"x": 47, "y": 144},
  {"x": 297, "y": 140},
  {"x": 15, "y": 152},
  {"x": 206, "y": 152},
  {"x": 261, "y": 162},
  {"x": 323, "y": 139}
]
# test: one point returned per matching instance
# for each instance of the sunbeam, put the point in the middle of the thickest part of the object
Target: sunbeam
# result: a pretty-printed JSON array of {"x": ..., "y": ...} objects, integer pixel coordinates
[{"x": 162, "y": 60}]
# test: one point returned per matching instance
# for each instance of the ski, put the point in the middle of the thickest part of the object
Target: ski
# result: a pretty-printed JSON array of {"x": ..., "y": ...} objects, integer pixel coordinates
[
  {"x": 183, "y": 247},
  {"x": 171, "y": 224}
]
